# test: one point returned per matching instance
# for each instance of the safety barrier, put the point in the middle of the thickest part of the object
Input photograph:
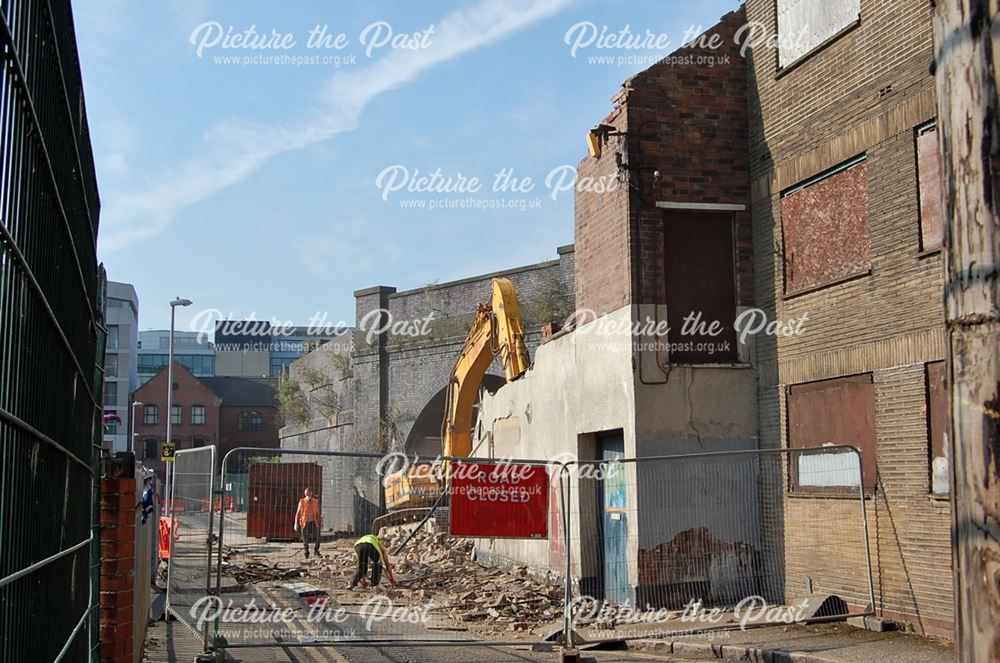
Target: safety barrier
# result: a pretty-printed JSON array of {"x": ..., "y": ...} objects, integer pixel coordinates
[
  {"x": 638, "y": 547},
  {"x": 190, "y": 544},
  {"x": 716, "y": 540}
]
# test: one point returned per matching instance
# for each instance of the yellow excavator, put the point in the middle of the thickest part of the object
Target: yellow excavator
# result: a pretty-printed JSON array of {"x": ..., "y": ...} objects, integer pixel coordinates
[{"x": 496, "y": 332}]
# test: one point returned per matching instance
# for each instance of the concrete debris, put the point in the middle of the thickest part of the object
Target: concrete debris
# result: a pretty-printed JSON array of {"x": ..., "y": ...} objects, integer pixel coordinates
[
  {"x": 303, "y": 588},
  {"x": 435, "y": 566}
]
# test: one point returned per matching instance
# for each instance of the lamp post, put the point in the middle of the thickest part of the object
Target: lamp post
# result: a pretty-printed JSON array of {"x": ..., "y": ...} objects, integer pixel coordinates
[
  {"x": 170, "y": 389},
  {"x": 170, "y": 416},
  {"x": 131, "y": 416}
]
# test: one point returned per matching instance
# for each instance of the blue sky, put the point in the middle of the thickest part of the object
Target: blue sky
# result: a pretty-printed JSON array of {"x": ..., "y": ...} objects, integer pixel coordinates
[{"x": 252, "y": 188}]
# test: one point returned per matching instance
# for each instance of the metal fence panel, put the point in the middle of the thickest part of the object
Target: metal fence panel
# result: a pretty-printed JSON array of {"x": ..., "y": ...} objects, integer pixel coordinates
[
  {"x": 189, "y": 572},
  {"x": 673, "y": 537},
  {"x": 50, "y": 342},
  {"x": 264, "y": 562},
  {"x": 260, "y": 547}
]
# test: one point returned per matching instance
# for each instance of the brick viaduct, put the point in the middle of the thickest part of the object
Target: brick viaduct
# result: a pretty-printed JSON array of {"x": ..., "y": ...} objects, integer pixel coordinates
[{"x": 393, "y": 395}]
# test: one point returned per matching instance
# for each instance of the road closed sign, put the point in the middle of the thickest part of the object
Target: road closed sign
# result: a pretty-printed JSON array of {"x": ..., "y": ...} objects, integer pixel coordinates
[{"x": 504, "y": 500}]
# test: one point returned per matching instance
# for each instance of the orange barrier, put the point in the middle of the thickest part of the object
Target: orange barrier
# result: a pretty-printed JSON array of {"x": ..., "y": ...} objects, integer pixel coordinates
[
  {"x": 178, "y": 503},
  {"x": 228, "y": 502},
  {"x": 166, "y": 524}
]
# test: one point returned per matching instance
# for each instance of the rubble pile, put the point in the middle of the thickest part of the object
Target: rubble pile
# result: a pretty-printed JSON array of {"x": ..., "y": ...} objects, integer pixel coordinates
[
  {"x": 436, "y": 566},
  {"x": 259, "y": 570}
]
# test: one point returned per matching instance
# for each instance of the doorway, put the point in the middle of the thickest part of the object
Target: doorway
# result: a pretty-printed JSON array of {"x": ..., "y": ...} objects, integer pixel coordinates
[{"x": 612, "y": 517}]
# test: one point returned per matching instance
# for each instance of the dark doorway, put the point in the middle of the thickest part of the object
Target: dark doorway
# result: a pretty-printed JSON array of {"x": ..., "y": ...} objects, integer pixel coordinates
[{"x": 700, "y": 280}]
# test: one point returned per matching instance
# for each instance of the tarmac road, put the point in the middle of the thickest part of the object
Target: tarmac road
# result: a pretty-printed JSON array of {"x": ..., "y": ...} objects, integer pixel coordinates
[{"x": 174, "y": 643}]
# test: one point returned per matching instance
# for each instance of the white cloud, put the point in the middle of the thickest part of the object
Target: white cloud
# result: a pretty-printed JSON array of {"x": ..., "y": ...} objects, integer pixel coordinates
[{"x": 233, "y": 150}]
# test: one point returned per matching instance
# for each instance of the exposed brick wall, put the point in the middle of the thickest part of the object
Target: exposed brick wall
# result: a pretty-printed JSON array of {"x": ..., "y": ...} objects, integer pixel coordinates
[
  {"x": 189, "y": 392},
  {"x": 863, "y": 93},
  {"x": 603, "y": 254},
  {"x": 117, "y": 583},
  {"x": 230, "y": 436},
  {"x": 688, "y": 121},
  {"x": 550, "y": 279}
]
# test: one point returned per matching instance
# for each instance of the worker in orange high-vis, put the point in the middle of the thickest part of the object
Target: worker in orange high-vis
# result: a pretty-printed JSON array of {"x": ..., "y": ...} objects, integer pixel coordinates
[{"x": 308, "y": 521}]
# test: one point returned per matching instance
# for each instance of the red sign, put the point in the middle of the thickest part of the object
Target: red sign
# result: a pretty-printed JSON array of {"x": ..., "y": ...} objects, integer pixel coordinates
[{"x": 503, "y": 501}]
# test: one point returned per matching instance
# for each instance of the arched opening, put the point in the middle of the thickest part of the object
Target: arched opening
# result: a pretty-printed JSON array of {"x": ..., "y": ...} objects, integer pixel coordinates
[{"x": 424, "y": 438}]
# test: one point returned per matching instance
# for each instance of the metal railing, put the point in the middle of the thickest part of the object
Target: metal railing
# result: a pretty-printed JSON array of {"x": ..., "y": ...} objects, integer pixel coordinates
[
  {"x": 189, "y": 572},
  {"x": 51, "y": 342},
  {"x": 663, "y": 541},
  {"x": 656, "y": 541},
  {"x": 263, "y": 552}
]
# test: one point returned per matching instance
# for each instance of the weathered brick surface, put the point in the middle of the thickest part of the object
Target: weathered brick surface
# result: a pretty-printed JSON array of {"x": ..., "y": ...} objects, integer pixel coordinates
[
  {"x": 189, "y": 392},
  {"x": 117, "y": 583},
  {"x": 864, "y": 93},
  {"x": 688, "y": 122}
]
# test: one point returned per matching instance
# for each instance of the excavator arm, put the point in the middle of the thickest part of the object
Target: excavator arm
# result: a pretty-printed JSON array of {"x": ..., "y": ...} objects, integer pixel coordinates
[{"x": 495, "y": 332}]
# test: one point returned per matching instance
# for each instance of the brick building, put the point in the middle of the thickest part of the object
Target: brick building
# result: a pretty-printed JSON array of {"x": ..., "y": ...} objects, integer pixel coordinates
[
  {"x": 847, "y": 229},
  {"x": 221, "y": 411},
  {"x": 798, "y": 183},
  {"x": 248, "y": 414},
  {"x": 663, "y": 239},
  {"x": 795, "y": 182}
]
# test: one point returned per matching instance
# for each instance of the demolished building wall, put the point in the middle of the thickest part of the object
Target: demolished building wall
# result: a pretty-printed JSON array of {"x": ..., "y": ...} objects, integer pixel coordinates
[{"x": 676, "y": 145}]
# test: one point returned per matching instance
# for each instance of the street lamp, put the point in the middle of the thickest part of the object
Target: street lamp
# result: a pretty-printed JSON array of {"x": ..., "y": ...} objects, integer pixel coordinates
[
  {"x": 131, "y": 422},
  {"x": 170, "y": 389},
  {"x": 170, "y": 416}
]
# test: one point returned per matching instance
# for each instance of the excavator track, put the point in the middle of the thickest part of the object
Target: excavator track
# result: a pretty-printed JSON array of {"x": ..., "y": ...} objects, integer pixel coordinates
[
  {"x": 412, "y": 515},
  {"x": 400, "y": 517}
]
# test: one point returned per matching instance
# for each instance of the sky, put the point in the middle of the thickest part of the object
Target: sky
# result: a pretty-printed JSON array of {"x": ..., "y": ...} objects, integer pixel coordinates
[{"x": 266, "y": 160}]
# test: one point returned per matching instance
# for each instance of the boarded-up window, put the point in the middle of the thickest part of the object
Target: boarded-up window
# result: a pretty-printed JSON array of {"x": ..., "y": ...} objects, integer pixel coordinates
[
  {"x": 937, "y": 427},
  {"x": 929, "y": 181},
  {"x": 701, "y": 286},
  {"x": 825, "y": 227},
  {"x": 832, "y": 412},
  {"x": 804, "y": 25}
]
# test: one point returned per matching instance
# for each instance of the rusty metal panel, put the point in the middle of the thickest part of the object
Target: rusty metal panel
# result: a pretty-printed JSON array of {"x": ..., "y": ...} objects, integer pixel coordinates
[
  {"x": 273, "y": 492},
  {"x": 937, "y": 426},
  {"x": 700, "y": 278},
  {"x": 825, "y": 227},
  {"x": 929, "y": 178},
  {"x": 837, "y": 411},
  {"x": 805, "y": 24}
]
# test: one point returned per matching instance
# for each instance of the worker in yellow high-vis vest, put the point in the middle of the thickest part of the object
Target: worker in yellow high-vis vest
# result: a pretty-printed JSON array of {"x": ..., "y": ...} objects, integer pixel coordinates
[{"x": 369, "y": 549}]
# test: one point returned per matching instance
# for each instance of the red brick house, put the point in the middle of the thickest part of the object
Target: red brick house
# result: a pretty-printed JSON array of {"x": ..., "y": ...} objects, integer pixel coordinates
[
  {"x": 248, "y": 416},
  {"x": 222, "y": 411}
]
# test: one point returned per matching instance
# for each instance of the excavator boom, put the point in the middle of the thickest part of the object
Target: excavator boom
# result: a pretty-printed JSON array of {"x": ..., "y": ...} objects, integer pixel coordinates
[{"x": 496, "y": 332}]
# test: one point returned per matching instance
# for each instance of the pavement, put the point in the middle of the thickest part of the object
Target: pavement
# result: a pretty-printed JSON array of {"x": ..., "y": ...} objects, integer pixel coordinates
[
  {"x": 172, "y": 642},
  {"x": 810, "y": 643}
]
